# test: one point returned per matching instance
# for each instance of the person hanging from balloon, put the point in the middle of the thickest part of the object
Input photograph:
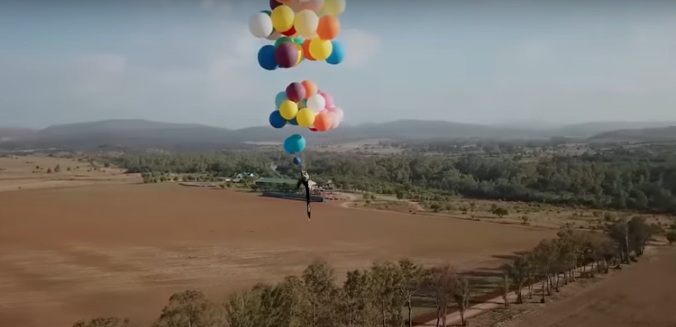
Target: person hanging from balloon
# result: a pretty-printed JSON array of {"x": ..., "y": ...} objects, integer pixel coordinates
[{"x": 304, "y": 180}]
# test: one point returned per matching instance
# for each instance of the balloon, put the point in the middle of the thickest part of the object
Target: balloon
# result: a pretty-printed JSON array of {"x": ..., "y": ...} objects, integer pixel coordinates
[
  {"x": 323, "y": 121},
  {"x": 302, "y": 104},
  {"x": 305, "y": 117},
  {"x": 282, "y": 18},
  {"x": 274, "y": 4},
  {"x": 267, "y": 12},
  {"x": 306, "y": 50},
  {"x": 320, "y": 49},
  {"x": 294, "y": 144},
  {"x": 337, "y": 55},
  {"x": 310, "y": 88},
  {"x": 313, "y": 129},
  {"x": 293, "y": 122},
  {"x": 333, "y": 7},
  {"x": 298, "y": 40},
  {"x": 316, "y": 102},
  {"x": 336, "y": 116},
  {"x": 328, "y": 28},
  {"x": 286, "y": 55},
  {"x": 267, "y": 57},
  {"x": 327, "y": 98},
  {"x": 276, "y": 119},
  {"x": 290, "y": 32},
  {"x": 299, "y": 49},
  {"x": 288, "y": 109},
  {"x": 295, "y": 92},
  {"x": 306, "y": 23},
  {"x": 297, "y": 160},
  {"x": 279, "y": 98},
  {"x": 260, "y": 25},
  {"x": 313, "y": 5},
  {"x": 282, "y": 39},
  {"x": 274, "y": 36}
]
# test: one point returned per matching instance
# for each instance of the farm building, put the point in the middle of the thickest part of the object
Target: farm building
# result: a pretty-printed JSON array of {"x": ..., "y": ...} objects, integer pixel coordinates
[{"x": 280, "y": 184}]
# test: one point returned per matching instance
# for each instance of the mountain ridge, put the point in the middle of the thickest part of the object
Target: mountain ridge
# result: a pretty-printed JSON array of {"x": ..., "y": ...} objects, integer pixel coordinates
[{"x": 140, "y": 132}]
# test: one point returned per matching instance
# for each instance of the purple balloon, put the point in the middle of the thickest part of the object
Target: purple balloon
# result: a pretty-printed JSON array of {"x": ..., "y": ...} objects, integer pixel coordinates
[
  {"x": 295, "y": 92},
  {"x": 274, "y": 4},
  {"x": 286, "y": 55}
]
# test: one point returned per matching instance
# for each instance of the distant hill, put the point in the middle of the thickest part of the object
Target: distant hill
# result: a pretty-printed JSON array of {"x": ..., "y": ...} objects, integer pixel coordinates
[
  {"x": 144, "y": 133},
  {"x": 663, "y": 134},
  {"x": 586, "y": 130}
]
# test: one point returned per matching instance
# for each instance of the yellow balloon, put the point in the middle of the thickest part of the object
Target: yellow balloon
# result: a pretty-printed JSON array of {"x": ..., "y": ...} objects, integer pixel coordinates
[
  {"x": 300, "y": 53},
  {"x": 320, "y": 49},
  {"x": 333, "y": 7},
  {"x": 282, "y": 18},
  {"x": 288, "y": 109},
  {"x": 306, "y": 117},
  {"x": 306, "y": 23}
]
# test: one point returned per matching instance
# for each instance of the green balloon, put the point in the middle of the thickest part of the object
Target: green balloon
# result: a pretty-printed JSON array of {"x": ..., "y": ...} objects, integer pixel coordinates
[
  {"x": 267, "y": 12},
  {"x": 282, "y": 40},
  {"x": 298, "y": 40}
]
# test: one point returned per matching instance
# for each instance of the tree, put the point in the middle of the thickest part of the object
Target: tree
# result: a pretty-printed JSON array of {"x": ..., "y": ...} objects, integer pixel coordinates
[
  {"x": 518, "y": 272},
  {"x": 440, "y": 285},
  {"x": 386, "y": 279},
  {"x": 412, "y": 281},
  {"x": 542, "y": 258},
  {"x": 355, "y": 299},
  {"x": 461, "y": 296},
  {"x": 319, "y": 281},
  {"x": 640, "y": 233},
  {"x": 104, "y": 322},
  {"x": 189, "y": 309},
  {"x": 505, "y": 288},
  {"x": 671, "y": 236}
]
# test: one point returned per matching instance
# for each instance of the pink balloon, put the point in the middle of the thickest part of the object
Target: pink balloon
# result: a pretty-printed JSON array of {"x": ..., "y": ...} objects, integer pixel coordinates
[
  {"x": 313, "y": 5},
  {"x": 337, "y": 116},
  {"x": 328, "y": 98}
]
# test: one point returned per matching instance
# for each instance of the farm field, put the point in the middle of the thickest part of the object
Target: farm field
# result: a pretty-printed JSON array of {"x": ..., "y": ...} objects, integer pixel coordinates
[
  {"x": 80, "y": 252},
  {"x": 641, "y": 295},
  {"x": 31, "y": 172}
]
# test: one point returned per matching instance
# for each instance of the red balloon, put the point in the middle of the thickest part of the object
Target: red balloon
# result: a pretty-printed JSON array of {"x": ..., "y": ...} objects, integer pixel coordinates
[
  {"x": 313, "y": 129},
  {"x": 290, "y": 32}
]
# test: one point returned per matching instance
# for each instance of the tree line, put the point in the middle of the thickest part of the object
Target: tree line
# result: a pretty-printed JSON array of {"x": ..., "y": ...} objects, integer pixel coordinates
[
  {"x": 642, "y": 179},
  {"x": 385, "y": 294}
]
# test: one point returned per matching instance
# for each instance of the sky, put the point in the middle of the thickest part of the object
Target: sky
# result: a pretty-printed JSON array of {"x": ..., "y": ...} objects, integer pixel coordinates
[{"x": 475, "y": 61}]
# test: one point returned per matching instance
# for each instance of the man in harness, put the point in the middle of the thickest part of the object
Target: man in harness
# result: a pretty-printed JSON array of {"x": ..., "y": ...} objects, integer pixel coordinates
[{"x": 304, "y": 180}]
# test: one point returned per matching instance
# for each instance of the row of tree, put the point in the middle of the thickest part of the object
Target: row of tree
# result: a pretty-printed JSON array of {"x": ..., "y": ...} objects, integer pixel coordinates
[
  {"x": 385, "y": 294},
  {"x": 637, "y": 179}
]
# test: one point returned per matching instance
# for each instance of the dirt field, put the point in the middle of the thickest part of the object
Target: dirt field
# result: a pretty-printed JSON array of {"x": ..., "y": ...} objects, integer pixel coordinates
[
  {"x": 80, "y": 252},
  {"x": 31, "y": 172},
  {"x": 642, "y": 295}
]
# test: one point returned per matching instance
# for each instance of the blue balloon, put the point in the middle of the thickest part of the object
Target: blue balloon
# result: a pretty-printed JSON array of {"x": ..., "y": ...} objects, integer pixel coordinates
[
  {"x": 294, "y": 144},
  {"x": 266, "y": 57},
  {"x": 297, "y": 160},
  {"x": 337, "y": 55},
  {"x": 276, "y": 119},
  {"x": 281, "y": 97},
  {"x": 293, "y": 121}
]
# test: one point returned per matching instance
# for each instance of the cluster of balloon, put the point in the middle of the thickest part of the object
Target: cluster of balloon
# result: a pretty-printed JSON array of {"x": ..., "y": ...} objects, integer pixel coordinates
[
  {"x": 303, "y": 104},
  {"x": 302, "y": 30}
]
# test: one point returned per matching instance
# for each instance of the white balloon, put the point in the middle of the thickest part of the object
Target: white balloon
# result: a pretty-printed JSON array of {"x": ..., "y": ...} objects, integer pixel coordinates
[
  {"x": 316, "y": 102},
  {"x": 306, "y": 23},
  {"x": 274, "y": 36},
  {"x": 260, "y": 25}
]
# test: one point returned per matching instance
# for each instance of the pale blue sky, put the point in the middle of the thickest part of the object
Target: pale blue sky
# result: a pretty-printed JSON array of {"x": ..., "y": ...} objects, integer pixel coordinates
[{"x": 468, "y": 61}]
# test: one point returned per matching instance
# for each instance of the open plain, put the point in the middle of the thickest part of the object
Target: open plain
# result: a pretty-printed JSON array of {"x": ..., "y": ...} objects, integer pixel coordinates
[{"x": 80, "y": 252}]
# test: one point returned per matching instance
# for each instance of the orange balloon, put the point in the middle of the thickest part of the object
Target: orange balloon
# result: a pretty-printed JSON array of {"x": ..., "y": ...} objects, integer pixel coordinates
[
  {"x": 306, "y": 50},
  {"x": 329, "y": 27},
  {"x": 323, "y": 121},
  {"x": 310, "y": 88}
]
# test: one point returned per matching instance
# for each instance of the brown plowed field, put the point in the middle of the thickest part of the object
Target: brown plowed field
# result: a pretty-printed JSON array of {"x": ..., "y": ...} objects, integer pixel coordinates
[
  {"x": 71, "y": 253},
  {"x": 643, "y": 294}
]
